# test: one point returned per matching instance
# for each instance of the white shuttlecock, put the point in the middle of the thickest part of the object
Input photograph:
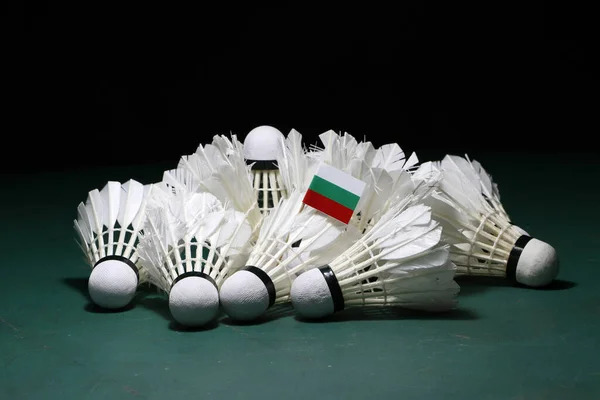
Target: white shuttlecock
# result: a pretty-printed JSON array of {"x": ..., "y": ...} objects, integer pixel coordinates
[
  {"x": 400, "y": 261},
  {"x": 484, "y": 240},
  {"x": 220, "y": 168},
  {"x": 261, "y": 147},
  {"x": 108, "y": 226},
  {"x": 291, "y": 239},
  {"x": 190, "y": 243}
]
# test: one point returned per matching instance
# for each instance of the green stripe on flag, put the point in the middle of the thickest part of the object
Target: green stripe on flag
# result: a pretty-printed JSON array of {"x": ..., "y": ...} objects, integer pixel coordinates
[{"x": 334, "y": 192}]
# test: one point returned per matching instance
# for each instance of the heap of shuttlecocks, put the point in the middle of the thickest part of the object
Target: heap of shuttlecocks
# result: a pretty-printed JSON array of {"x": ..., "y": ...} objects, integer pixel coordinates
[{"x": 237, "y": 228}]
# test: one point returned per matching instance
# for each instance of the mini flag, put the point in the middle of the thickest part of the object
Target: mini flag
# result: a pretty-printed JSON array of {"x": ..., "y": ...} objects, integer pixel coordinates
[{"x": 334, "y": 193}]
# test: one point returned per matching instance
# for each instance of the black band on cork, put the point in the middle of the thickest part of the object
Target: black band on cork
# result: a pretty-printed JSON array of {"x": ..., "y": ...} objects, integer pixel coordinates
[
  {"x": 262, "y": 275},
  {"x": 513, "y": 257},
  {"x": 122, "y": 259},
  {"x": 194, "y": 273},
  {"x": 263, "y": 164},
  {"x": 334, "y": 288}
]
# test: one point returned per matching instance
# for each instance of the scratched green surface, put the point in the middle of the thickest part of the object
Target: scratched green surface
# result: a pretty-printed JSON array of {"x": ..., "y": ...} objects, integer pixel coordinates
[{"x": 503, "y": 342}]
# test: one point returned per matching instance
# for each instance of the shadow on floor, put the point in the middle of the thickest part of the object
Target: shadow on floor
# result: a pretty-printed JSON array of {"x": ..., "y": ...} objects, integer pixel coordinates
[
  {"x": 80, "y": 285},
  {"x": 470, "y": 285},
  {"x": 273, "y": 313},
  {"x": 155, "y": 302},
  {"x": 376, "y": 313},
  {"x": 93, "y": 308},
  {"x": 174, "y": 326},
  {"x": 559, "y": 284}
]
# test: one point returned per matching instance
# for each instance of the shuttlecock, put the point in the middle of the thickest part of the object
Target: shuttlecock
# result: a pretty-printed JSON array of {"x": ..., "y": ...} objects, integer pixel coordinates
[
  {"x": 108, "y": 225},
  {"x": 334, "y": 192},
  {"x": 299, "y": 233},
  {"x": 190, "y": 243},
  {"x": 291, "y": 239},
  {"x": 261, "y": 147},
  {"x": 484, "y": 240},
  {"x": 400, "y": 261},
  {"x": 220, "y": 168}
]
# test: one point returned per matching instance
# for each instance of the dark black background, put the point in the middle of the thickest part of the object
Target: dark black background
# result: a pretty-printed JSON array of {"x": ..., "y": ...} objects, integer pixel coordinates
[{"x": 118, "y": 84}]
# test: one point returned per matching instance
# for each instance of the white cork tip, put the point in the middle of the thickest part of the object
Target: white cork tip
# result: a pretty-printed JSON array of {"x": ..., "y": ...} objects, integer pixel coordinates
[
  {"x": 244, "y": 296},
  {"x": 310, "y": 295},
  {"x": 538, "y": 264},
  {"x": 262, "y": 143},
  {"x": 112, "y": 284},
  {"x": 194, "y": 301}
]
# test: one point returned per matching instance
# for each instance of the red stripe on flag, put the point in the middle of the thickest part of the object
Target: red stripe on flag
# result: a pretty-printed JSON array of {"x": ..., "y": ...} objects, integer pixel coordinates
[{"x": 328, "y": 206}]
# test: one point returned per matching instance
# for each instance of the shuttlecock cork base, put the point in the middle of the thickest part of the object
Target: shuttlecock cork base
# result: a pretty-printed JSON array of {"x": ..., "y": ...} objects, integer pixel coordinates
[
  {"x": 532, "y": 262},
  {"x": 247, "y": 294},
  {"x": 262, "y": 144},
  {"x": 113, "y": 282},
  {"x": 317, "y": 293},
  {"x": 194, "y": 299}
]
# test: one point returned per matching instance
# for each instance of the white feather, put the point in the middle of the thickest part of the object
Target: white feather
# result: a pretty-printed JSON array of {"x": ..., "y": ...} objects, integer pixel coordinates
[
  {"x": 180, "y": 179},
  {"x": 103, "y": 221},
  {"x": 378, "y": 189},
  {"x": 391, "y": 158},
  {"x": 361, "y": 160},
  {"x": 414, "y": 242},
  {"x": 398, "y": 219},
  {"x": 427, "y": 174},
  {"x": 279, "y": 222},
  {"x": 111, "y": 195},
  {"x": 234, "y": 232},
  {"x": 490, "y": 187},
  {"x": 315, "y": 229},
  {"x": 436, "y": 258},
  {"x": 340, "y": 151},
  {"x": 399, "y": 261},
  {"x": 403, "y": 188},
  {"x": 182, "y": 224},
  {"x": 130, "y": 202},
  {"x": 220, "y": 168},
  {"x": 461, "y": 183},
  {"x": 295, "y": 166},
  {"x": 412, "y": 162}
]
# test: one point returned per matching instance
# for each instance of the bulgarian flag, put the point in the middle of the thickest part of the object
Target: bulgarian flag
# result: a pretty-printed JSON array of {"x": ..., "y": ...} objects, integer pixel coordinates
[{"x": 334, "y": 193}]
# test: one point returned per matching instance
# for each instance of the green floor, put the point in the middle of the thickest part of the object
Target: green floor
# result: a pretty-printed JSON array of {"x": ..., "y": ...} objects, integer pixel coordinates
[{"x": 503, "y": 342}]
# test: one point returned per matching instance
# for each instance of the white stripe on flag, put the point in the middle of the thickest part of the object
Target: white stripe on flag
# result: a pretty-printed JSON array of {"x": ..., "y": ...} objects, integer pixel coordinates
[{"x": 341, "y": 179}]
